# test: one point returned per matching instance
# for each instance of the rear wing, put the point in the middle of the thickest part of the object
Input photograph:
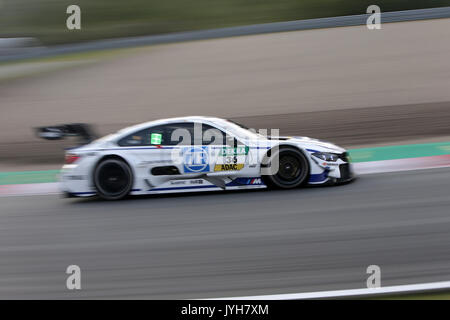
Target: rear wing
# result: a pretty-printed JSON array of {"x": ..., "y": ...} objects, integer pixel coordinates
[{"x": 81, "y": 130}]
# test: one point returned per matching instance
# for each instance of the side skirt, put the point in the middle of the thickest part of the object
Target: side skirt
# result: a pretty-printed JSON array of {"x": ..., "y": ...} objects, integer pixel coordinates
[{"x": 194, "y": 189}]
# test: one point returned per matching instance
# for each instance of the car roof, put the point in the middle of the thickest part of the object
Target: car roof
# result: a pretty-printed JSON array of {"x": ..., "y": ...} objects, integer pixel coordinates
[{"x": 147, "y": 124}]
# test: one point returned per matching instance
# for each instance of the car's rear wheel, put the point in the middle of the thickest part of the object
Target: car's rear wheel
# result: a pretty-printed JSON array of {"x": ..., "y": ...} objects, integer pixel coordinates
[
  {"x": 113, "y": 179},
  {"x": 291, "y": 170}
]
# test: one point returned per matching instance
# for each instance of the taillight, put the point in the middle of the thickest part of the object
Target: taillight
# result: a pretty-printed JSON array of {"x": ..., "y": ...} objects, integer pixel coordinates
[{"x": 71, "y": 158}]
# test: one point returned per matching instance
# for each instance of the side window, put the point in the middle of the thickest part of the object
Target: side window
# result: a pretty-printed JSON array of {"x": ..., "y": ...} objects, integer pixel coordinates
[
  {"x": 168, "y": 135},
  {"x": 184, "y": 133},
  {"x": 179, "y": 134},
  {"x": 145, "y": 137},
  {"x": 135, "y": 139},
  {"x": 215, "y": 136},
  {"x": 212, "y": 136},
  {"x": 233, "y": 142}
]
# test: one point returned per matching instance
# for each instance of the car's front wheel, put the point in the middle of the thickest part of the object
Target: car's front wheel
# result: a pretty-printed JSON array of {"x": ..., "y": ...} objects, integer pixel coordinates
[
  {"x": 113, "y": 179},
  {"x": 288, "y": 168}
]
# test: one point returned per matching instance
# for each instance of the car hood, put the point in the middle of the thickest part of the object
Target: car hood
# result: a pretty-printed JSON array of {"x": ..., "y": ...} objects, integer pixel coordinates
[{"x": 314, "y": 144}]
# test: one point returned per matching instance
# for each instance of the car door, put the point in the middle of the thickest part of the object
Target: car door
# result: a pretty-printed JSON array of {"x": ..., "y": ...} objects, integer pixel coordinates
[
  {"x": 230, "y": 156},
  {"x": 202, "y": 150},
  {"x": 148, "y": 150}
]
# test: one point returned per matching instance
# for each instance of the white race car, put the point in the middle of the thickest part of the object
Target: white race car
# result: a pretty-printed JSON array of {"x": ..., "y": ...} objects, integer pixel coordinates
[{"x": 193, "y": 154}]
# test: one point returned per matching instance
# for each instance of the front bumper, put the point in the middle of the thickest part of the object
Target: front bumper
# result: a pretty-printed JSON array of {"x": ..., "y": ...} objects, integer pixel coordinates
[
  {"x": 332, "y": 172},
  {"x": 346, "y": 172}
]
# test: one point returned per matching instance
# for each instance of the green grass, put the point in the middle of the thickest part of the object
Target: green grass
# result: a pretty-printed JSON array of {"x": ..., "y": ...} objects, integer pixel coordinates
[
  {"x": 400, "y": 152},
  {"x": 24, "y": 177},
  {"x": 46, "y": 19}
]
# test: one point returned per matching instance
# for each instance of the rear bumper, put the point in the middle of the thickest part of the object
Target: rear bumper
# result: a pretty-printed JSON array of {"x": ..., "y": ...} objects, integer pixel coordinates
[
  {"x": 75, "y": 182},
  {"x": 66, "y": 194}
]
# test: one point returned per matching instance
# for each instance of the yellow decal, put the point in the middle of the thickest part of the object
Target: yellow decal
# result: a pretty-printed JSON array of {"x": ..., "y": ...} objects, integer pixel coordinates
[{"x": 229, "y": 167}]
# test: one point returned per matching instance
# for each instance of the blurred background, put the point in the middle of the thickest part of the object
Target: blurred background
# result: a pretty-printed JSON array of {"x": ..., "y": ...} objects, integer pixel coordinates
[
  {"x": 44, "y": 19},
  {"x": 300, "y": 81},
  {"x": 362, "y": 89}
]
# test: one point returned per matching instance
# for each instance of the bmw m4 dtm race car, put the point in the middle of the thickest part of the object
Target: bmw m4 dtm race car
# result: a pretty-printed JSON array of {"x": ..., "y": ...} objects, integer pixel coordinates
[{"x": 192, "y": 154}]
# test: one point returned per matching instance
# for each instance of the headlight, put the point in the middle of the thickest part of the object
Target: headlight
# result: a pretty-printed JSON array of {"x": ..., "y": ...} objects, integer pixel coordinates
[{"x": 330, "y": 157}]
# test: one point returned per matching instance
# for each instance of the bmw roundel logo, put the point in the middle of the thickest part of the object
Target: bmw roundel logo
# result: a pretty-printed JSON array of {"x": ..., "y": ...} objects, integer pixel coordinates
[{"x": 195, "y": 159}]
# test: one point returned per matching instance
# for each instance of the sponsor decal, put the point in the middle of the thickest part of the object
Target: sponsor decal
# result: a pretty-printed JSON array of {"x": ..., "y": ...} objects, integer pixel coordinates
[
  {"x": 156, "y": 138},
  {"x": 177, "y": 182},
  {"x": 184, "y": 182},
  {"x": 229, "y": 167},
  {"x": 195, "y": 159},
  {"x": 146, "y": 163},
  {"x": 232, "y": 159},
  {"x": 230, "y": 151},
  {"x": 247, "y": 182},
  {"x": 255, "y": 181}
]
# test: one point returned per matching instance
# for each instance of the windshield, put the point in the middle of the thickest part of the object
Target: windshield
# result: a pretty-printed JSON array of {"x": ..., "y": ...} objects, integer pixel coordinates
[
  {"x": 238, "y": 124},
  {"x": 241, "y": 130}
]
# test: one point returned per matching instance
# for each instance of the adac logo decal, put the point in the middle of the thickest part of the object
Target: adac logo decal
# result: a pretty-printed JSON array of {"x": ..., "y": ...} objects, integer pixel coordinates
[
  {"x": 229, "y": 167},
  {"x": 195, "y": 159}
]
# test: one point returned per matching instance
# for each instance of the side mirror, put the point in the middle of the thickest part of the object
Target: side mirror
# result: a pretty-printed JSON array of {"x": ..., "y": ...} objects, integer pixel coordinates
[{"x": 231, "y": 141}]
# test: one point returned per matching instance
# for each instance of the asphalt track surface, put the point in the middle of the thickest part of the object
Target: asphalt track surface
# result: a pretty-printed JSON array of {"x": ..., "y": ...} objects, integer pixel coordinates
[{"x": 229, "y": 244}]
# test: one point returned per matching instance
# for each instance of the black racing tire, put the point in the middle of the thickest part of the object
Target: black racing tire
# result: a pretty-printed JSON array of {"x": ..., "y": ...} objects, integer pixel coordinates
[
  {"x": 113, "y": 179},
  {"x": 293, "y": 169}
]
